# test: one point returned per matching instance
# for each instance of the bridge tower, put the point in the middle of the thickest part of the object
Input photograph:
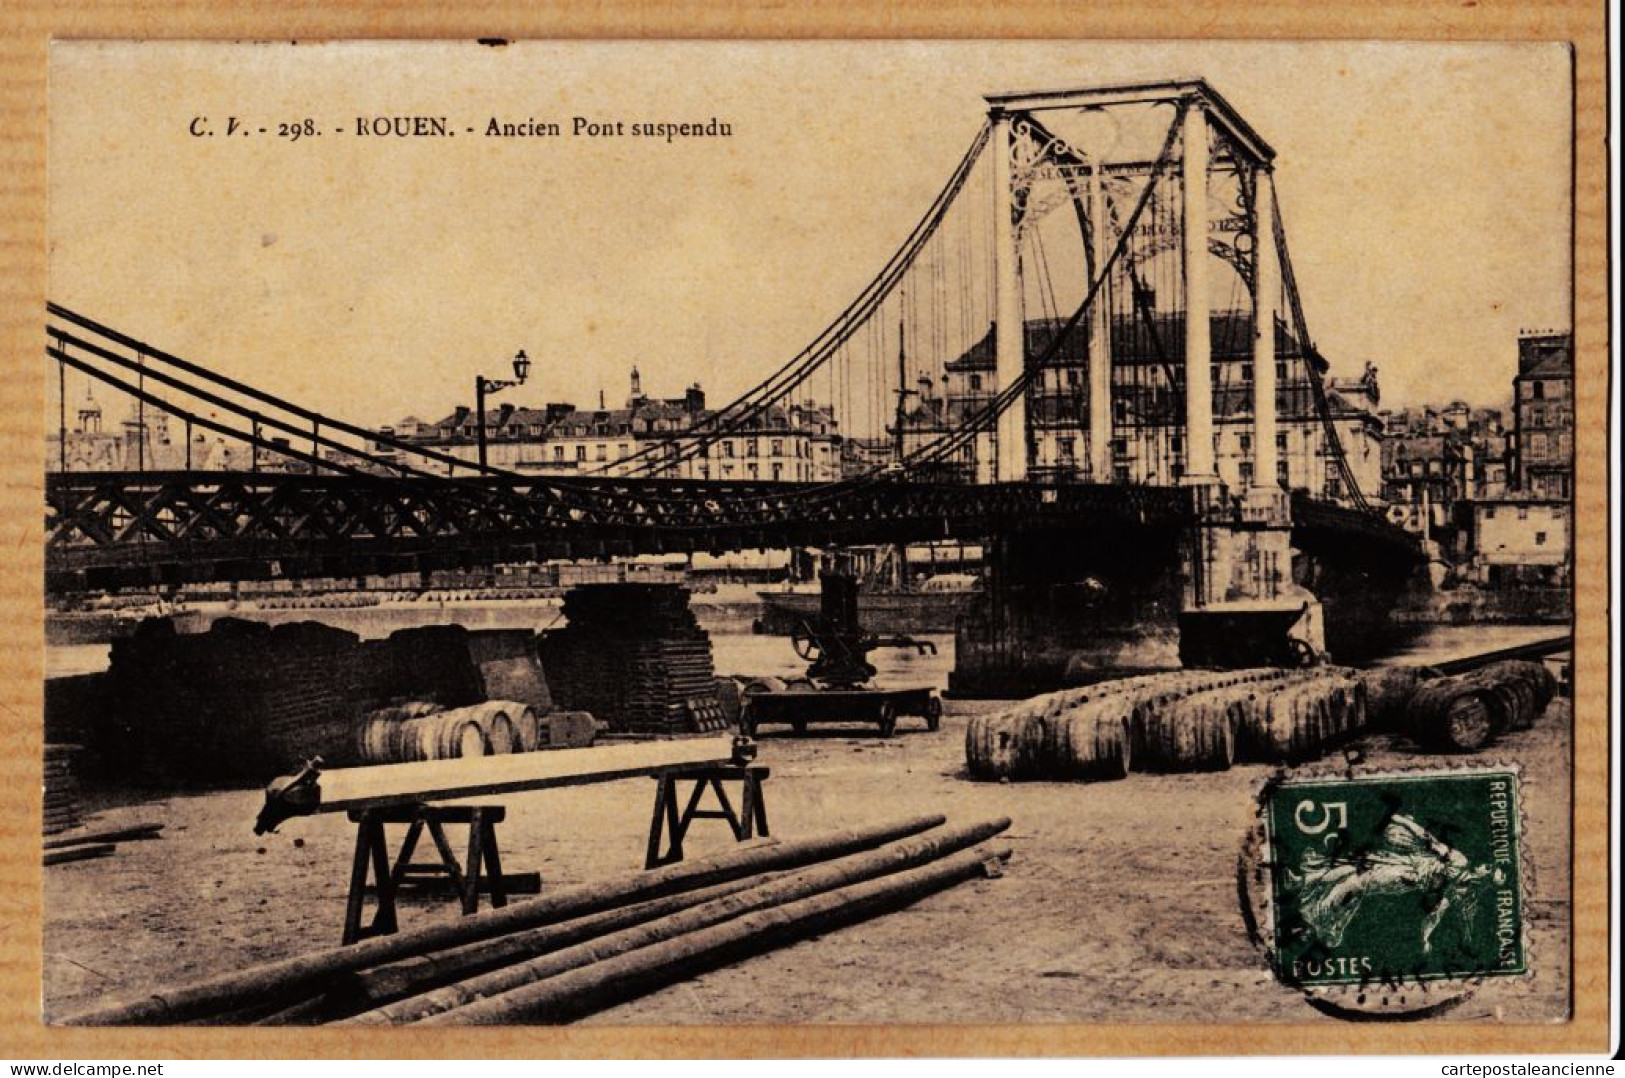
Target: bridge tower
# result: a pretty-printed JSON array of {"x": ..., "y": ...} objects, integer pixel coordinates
[{"x": 1205, "y": 208}]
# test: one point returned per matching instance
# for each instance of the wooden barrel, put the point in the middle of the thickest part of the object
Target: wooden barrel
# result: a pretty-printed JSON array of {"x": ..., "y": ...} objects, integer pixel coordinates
[
  {"x": 1532, "y": 683},
  {"x": 494, "y": 718},
  {"x": 1193, "y": 733},
  {"x": 379, "y": 737},
  {"x": 1454, "y": 714},
  {"x": 527, "y": 730},
  {"x": 994, "y": 745},
  {"x": 1388, "y": 692},
  {"x": 1093, "y": 742},
  {"x": 446, "y": 735}
]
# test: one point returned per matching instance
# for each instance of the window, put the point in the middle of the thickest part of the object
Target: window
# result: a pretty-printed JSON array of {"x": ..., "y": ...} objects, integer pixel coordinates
[
  {"x": 1489, "y": 512},
  {"x": 1072, "y": 377},
  {"x": 1246, "y": 443},
  {"x": 976, "y": 383},
  {"x": 1246, "y": 372},
  {"x": 558, "y": 452},
  {"x": 728, "y": 451},
  {"x": 1281, "y": 472},
  {"x": 581, "y": 452},
  {"x": 1177, "y": 444},
  {"x": 1068, "y": 449},
  {"x": 778, "y": 472},
  {"x": 778, "y": 447},
  {"x": 1247, "y": 472},
  {"x": 752, "y": 471},
  {"x": 1280, "y": 442},
  {"x": 1523, "y": 512},
  {"x": 1280, "y": 370},
  {"x": 603, "y": 451},
  {"x": 1540, "y": 538},
  {"x": 1538, "y": 390}
]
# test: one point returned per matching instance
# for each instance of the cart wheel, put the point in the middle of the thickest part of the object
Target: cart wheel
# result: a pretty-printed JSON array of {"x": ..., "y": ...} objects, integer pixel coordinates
[
  {"x": 933, "y": 714},
  {"x": 888, "y": 718}
]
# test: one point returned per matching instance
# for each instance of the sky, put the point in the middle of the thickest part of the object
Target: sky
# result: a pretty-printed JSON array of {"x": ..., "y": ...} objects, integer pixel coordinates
[{"x": 1425, "y": 190}]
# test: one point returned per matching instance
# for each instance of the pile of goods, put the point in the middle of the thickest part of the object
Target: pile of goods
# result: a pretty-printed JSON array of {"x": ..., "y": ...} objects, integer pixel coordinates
[
  {"x": 578, "y": 949},
  {"x": 634, "y": 656},
  {"x": 1204, "y": 720},
  {"x": 1460, "y": 712},
  {"x": 234, "y": 702},
  {"x": 1180, "y": 721},
  {"x": 61, "y": 789},
  {"x": 246, "y": 699},
  {"x": 424, "y": 730}
]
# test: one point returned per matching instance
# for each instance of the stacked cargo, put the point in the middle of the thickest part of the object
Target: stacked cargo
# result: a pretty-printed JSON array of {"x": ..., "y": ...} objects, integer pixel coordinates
[
  {"x": 61, "y": 789},
  {"x": 634, "y": 656},
  {"x": 241, "y": 700}
]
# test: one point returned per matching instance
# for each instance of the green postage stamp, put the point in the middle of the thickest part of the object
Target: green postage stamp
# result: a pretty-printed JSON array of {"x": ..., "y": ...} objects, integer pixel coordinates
[{"x": 1395, "y": 879}]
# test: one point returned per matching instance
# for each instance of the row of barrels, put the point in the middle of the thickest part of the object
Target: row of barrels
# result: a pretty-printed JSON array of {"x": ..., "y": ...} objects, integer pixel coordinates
[
  {"x": 1179, "y": 721},
  {"x": 407, "y": 733},
  {"x": 1464, "y": 712}
]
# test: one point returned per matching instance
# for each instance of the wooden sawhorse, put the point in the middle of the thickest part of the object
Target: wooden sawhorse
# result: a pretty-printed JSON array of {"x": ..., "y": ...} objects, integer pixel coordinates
[
  {"x": 372, "y": 858},
  {"x": 671, "y": 823}
]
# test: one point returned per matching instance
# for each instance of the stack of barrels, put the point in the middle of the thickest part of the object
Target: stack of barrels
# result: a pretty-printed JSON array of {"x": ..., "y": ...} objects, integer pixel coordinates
[
  {"x": 407, "y": 733},
  {"x": 1207, "y": 720},
  {"x": 1177, "y": 721},
  {"x": 1466, "y": 712}
]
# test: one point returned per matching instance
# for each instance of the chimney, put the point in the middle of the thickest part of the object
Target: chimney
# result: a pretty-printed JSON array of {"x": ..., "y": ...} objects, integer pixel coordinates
[{"x": 694, "y": 399}]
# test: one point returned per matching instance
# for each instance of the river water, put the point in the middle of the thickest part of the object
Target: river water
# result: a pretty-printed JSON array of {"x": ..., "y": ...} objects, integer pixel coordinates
[{"x": 737, "y": 650}]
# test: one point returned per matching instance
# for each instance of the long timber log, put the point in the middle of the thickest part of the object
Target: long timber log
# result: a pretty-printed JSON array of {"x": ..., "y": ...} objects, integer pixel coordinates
[
  {"x": 290, "y": 979},
  {"x": 887, "y": 860},
  {"x": 635, "y": 973},
  {"x": 366, "y": 990}
]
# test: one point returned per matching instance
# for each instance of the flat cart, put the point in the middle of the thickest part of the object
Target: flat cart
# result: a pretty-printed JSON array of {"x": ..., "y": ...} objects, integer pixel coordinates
[{"x": 801, "y": 703}]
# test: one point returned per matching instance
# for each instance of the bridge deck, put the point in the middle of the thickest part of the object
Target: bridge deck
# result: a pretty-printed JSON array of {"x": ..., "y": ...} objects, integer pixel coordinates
[{"x": 108, "y": 530}]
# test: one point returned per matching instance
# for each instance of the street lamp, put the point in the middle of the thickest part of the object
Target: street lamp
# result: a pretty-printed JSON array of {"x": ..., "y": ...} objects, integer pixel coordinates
[{"x": 484, "y": 386}]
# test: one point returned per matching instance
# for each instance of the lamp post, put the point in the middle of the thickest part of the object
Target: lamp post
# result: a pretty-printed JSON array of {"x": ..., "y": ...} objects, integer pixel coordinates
[{"x": 484, "y": 386}]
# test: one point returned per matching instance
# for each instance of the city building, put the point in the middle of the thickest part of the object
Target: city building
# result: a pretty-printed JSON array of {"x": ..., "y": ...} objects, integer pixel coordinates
[
  {"x": 1543, "y": 415},
  {"x": 1435, "y": 458},
  {"x": 1517, "y": 541},
  {"x": 1148, "y": 410},
  {"x": 149, "y": 439},
  {"x": 796, "y": 442}
]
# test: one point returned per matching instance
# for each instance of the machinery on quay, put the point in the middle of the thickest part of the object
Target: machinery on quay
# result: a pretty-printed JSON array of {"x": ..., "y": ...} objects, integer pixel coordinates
[{"x": 839, "y": 684}]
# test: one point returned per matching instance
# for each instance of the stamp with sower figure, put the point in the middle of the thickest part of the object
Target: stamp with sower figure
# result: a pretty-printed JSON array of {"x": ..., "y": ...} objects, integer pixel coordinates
[{"x": 1389, "y": 893}]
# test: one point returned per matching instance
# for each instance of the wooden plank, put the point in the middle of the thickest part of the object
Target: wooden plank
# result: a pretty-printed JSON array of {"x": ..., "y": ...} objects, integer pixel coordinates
[{"x": 343, "y": 789}]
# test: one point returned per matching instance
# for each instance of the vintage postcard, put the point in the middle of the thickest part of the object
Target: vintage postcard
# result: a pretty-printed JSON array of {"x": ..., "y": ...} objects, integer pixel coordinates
[{"x": 811, "y": 534}]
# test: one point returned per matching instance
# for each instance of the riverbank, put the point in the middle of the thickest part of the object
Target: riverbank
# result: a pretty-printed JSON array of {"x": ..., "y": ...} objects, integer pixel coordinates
[{"x": 1119, "y": 903}]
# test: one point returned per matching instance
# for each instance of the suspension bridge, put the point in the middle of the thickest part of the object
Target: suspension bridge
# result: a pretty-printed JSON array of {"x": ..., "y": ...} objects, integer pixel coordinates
[{"x": 1094, "y": 330}]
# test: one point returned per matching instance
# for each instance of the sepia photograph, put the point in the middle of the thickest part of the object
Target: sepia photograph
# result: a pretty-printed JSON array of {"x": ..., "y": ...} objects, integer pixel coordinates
[{"x": 703, "y": 533}]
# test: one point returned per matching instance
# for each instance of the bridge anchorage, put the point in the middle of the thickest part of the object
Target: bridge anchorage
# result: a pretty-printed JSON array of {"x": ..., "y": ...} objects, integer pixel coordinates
[{"x": 1090, "y": 354}]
